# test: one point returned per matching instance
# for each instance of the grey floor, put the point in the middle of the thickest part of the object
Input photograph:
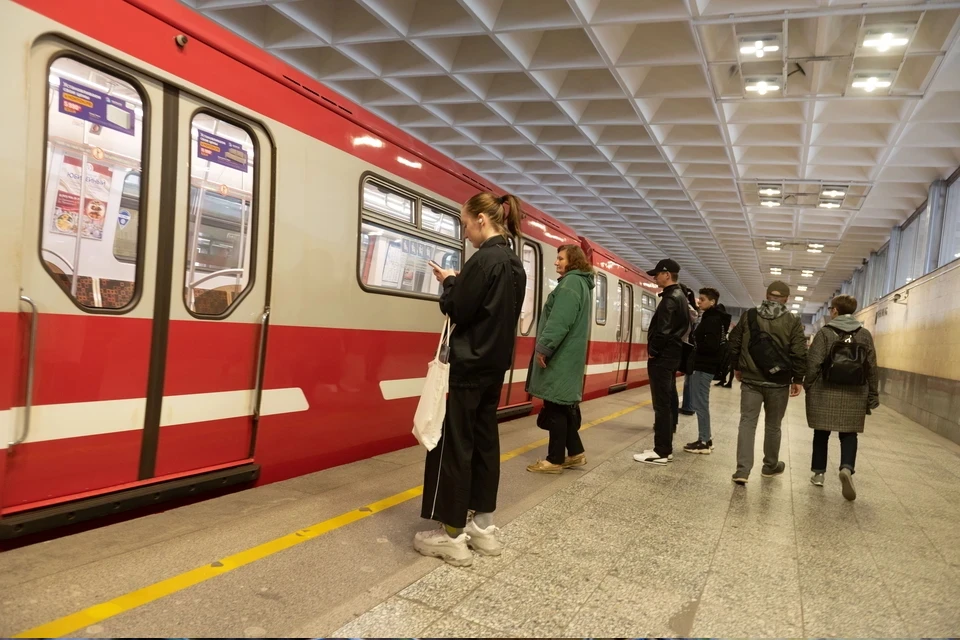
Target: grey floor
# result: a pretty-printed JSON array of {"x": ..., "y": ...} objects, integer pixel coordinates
[{"x": 614, "y": 549}]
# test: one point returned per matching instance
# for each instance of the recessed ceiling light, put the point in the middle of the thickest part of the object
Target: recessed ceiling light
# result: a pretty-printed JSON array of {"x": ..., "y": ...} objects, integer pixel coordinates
[
  {"x": 769, "y": 191},
  {"x": 802, "y": 287},
  {"x": 762, "y": 87},
  {"x": 870, "y": 84},
  {"x": 799, "y": 298},
  {"x": 814, "y": 251},
  {"x": 829, "y": 204},
  {"x": 814, "y": 245},
  {"x": 770, "y": 203},
  {"x": 773, "y": 243},
  {"x": 796, "y": 306},
  {"x": 883, "y": 39},
  {"x": 773, "y": 248},
  {"x": 832, "y": 192},
  {"x": 760, "y": 47}
]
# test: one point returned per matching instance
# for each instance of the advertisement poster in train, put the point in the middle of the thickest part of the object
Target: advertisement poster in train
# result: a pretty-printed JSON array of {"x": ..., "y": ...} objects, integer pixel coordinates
[
  {"x": 90, "y": 214},
  {"x": 221, "y": 151},
  {"x": 87, "y": 103}
]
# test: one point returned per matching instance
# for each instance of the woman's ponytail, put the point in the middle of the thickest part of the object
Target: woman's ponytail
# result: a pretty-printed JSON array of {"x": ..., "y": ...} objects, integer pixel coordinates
[{"x": 513, "y": 215}]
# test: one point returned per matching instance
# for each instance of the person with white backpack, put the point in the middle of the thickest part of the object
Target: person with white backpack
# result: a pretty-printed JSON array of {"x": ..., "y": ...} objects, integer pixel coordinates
[
  {"x": 483, "y": 303},
  {"x": 842, "y": 388}
]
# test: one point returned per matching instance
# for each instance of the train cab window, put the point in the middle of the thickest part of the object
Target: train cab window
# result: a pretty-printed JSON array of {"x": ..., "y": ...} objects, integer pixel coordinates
[
  {"x": 220, "y": 209},
  {"x": 94, "y": 150},
  {"x": 531, "y": 265},
  {"x": 400, "y": 234},
  {"x": 601, "y": 302},
  {"x": 649, "y": 305}
]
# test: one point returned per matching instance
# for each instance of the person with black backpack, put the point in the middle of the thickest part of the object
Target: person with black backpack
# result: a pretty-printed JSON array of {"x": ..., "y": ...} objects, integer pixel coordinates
[
  {"x": 768, "y": 352},
  {"x": 842, "y": 388}
]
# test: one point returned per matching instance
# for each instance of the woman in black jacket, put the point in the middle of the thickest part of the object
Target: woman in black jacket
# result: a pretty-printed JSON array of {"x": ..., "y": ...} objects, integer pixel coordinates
[{"x": 483, "y": 301}]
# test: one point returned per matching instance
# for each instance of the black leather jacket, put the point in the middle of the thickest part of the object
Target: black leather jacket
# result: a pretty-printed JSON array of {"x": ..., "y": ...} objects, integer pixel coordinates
[
  {"x": 484, "y": 301},
  {"x": 670, "y": 323}
]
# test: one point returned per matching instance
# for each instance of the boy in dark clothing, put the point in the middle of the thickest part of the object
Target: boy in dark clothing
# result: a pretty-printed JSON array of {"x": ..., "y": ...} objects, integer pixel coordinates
[{"x": 709, "y": 338}]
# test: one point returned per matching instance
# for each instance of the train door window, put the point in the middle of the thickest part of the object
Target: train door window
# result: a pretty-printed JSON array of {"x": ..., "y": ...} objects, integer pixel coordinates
[
  {"x": 601, "y": 302},
  {"x": 221, "y": 215},
  {"x": 618, "y": 309},
  {"x": 531, "y": 265},
  {"x": 400, "y": 234},
  {"x": 649, "y": 305},
  {"x": 95, "y": 142}
]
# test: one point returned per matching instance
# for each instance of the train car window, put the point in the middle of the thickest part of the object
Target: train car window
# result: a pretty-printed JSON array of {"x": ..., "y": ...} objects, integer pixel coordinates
[
  {"x": 438, "y": 221},
  {"x": 649, "y": 305},
  {"x": 400, "y": 234},
  {"x": 531, "y": 264},
  {"x": 382, "y": 199},
  {"x": 390, "y": 259},
  {"x": 601, "y": 308},
  {"x": 95, "y": 141},
  {"x": 220, "y": 209}
]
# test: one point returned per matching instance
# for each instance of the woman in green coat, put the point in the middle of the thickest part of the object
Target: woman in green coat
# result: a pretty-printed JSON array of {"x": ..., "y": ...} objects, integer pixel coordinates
[{"x": 557, "y": 366}]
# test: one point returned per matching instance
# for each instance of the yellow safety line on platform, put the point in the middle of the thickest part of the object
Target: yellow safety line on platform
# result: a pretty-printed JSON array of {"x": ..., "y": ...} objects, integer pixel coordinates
[{"x": 100, "y": 612}]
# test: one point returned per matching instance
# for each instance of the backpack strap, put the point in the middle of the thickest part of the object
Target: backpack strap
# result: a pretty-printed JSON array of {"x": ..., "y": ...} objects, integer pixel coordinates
[{"x": 752, "y": 323}]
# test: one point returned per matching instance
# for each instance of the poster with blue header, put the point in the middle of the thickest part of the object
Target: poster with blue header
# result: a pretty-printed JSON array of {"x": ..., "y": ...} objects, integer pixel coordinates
[
  {"x": 86, "y": 103},
  {"x": 221, "y": 151}
]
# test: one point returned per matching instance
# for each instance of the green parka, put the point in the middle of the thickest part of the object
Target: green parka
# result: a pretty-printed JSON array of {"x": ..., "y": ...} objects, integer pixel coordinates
[{"x": 562, "y": 338}]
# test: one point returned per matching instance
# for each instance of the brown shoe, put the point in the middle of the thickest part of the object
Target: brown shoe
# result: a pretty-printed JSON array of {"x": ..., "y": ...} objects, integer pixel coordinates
[
  {"x": 543, "y": 466},
  {"x": 575, "y": 461}
]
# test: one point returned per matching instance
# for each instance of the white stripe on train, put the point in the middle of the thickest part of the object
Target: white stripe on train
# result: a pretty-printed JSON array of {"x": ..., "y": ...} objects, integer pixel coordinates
[
  {"x": 78, "y": 419},
  {"x": 411, "y": 387}
]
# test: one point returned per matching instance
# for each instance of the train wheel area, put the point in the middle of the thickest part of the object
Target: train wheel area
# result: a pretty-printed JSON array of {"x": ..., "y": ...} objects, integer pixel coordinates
[{"x": 603, "y": 550}]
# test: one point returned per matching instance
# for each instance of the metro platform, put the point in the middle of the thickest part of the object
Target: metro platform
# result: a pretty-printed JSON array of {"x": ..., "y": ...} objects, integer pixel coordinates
[{"x": 615, "y": 548}]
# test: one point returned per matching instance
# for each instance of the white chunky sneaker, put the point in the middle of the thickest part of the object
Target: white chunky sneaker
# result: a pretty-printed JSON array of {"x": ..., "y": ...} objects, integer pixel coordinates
[
  {"x": 486, "y": 542},
  {"x": 437, "y": 544}
]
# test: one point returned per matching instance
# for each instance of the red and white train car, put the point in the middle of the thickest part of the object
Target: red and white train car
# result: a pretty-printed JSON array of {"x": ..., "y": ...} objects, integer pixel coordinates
[{"x": 213, "y": 271}]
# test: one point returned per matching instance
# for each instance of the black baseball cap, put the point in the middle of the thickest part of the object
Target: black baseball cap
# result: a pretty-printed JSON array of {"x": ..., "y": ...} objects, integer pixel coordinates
[{"x": 665, "y": 266}]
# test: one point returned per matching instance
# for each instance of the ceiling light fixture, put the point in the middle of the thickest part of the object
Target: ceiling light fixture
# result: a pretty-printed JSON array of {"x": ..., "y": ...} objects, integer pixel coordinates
[
  {"x": 833, "y": 192},
  {"x": 814, "y": 251},
  {"x": 871, "y": 83},
  {"x": 769, "y": 191},
  {"x": 773, "y": 243},
  {"x": 763, "y": 87},
  {"x": 796, "y": 306},
  {"x": 770, "y": 203},
  {"x": 814, "y": 245},
  {"x": 773, "y": 248},
  {"x": 806, "y": 274},
  {"x": 802, "y": 287},
  {"x": 883, "y": 39},
  {"x": 829, "y": 204},
  {"x": 799, "y": 298},
  {"x": 759, "y": 47}
]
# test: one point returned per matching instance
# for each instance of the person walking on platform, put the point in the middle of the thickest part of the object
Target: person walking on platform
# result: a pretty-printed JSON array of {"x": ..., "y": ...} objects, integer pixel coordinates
[
  {"x": 556, "y": 369},
  {"x": 483, "y": 301},
  {"x": 768, "y": 351},
  {"x": 709, "y": 338},
  {"x": 842, "y": 389},
  {"x": 668, "y": 327}
]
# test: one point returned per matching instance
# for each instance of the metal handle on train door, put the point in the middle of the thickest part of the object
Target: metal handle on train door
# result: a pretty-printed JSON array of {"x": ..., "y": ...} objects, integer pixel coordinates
[
  {"x": 31, "y": 358},
  {"x": 261, "y": 355}
]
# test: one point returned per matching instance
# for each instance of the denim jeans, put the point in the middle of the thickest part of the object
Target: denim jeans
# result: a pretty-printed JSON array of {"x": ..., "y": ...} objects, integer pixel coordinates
[
  {"x": 700, "y": 392},
  {"x": 848, "y": 451}
]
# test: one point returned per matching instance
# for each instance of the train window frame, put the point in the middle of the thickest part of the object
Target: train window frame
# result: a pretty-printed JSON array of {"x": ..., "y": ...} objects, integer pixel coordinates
[
  {"x": 117, "y": 71},
  {"x": 601, "y": 303},
  {"x": 537, "y": 286},
  {"x": 254, "y": 224},
  {"x": 414, "y": 230}
]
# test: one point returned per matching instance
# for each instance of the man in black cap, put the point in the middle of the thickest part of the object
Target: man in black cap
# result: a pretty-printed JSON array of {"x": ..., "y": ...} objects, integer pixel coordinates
[
  {"x": 668, "y": 328},
  {"x": 768, "y": 352}
]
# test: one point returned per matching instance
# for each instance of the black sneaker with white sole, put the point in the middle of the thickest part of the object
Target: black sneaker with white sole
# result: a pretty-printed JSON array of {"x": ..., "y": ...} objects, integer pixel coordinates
[
  {"x": 698, "y": 447},
  {"x": 652, "y": 457}
]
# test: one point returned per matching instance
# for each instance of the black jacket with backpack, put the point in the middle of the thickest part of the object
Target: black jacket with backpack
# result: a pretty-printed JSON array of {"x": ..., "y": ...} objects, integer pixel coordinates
[
  {"x": 669, "y": 325},
  {"x": 709, "y": 339},
  {"x": 841, "y": 406}
]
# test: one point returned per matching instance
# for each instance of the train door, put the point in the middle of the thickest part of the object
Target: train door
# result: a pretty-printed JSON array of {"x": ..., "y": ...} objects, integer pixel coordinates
[
  {"x": 112, "y": 377},
  {"x": 217, "y": 289},
  {"x": 624, "y": 330},
  {"x": 514, "y": 392}
]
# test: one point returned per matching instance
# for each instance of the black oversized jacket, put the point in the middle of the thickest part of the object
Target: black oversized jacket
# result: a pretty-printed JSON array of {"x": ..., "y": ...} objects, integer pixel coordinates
[
  {"x": 669, "y": 324},
  {"x": 484, "y": 302},
  {"x": 708, "y": 339}
]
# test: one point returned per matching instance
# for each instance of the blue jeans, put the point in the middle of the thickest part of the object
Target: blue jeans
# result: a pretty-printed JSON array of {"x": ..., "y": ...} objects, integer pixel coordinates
[
  {"x": 686, "y": 406},
  {"x": 700, "y": 392}
]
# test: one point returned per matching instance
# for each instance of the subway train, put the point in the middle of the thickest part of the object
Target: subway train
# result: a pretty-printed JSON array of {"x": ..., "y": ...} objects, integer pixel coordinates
[{"x": 214, "y": 271}]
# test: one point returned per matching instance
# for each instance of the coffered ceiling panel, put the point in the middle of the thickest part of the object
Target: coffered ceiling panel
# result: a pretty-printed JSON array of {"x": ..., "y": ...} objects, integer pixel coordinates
[{"x": 747, "y": 139}]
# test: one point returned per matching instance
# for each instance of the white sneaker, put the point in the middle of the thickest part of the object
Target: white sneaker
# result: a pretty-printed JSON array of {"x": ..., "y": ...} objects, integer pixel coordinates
[
  {"x": 437, "y": 544},
  {"x": 651, "y": 457},
  {"x": 486, "y": 542}
]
